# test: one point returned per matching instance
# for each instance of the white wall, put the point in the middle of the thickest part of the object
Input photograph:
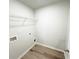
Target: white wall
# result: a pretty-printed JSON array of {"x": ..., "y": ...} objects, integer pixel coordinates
[
  {"x": 24, "y": 40},
  {"x": 18, "y": 8},
  {"x": 53, "y": 24}
]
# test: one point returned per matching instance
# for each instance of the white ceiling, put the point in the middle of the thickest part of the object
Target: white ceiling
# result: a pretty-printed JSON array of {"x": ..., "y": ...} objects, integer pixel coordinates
[{"x": 38, "y": 3}]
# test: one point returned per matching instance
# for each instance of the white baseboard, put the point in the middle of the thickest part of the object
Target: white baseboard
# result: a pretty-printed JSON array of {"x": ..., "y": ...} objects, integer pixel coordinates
[
  {"x": 66, "y": 55},
  {"x": 42, "y": 45},
  {"x": 26, "y": 51},
  {"x": 50, "y": 47}
]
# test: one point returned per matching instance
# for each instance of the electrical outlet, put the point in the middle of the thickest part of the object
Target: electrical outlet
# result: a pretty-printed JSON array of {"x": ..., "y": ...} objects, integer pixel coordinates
[
  {"x": 34, "y": 40},
  {"x": 29, "y": 33}
]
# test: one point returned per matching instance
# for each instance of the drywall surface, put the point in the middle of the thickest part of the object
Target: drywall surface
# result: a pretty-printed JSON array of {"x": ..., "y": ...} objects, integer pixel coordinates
[
  {"x": 25, "y": 34},
  {"x": 23, "y": 42},
  {"x": 17, "y": 8},
  {"x": 53, "y": 24}
]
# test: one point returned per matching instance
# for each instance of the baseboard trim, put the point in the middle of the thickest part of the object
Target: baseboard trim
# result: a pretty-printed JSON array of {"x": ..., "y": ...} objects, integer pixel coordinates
[
  {"x": 26, "y": 51},
  {"x": 41, "y": 45},
  {"x": 50, "y": 47}
]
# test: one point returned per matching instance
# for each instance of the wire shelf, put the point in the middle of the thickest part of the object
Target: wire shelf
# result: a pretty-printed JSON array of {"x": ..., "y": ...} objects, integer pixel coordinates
[{"x": 21, "y": 21}]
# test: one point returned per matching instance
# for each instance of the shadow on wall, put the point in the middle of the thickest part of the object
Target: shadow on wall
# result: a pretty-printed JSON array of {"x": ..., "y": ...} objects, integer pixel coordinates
[{"x": 61, "y": 44}]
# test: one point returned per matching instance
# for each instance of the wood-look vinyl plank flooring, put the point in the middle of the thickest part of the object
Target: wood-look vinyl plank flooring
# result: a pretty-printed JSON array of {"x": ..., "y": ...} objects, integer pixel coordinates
[{"x": 41, "y": 52}]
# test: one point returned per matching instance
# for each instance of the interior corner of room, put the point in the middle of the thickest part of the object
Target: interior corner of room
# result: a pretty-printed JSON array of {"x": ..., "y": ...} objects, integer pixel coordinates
[{"x": 38, "y": 22}]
